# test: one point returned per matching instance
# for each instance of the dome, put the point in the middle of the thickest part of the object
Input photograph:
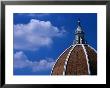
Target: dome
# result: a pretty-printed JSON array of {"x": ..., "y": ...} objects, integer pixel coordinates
[{"x": 79, "y": 59}]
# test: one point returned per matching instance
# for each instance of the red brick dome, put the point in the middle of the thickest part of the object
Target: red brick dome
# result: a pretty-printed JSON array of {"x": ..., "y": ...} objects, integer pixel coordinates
[{"x": 78, "y": 59}]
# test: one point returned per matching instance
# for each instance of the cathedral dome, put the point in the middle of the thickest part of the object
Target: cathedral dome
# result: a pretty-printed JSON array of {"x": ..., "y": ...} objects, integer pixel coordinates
[{"x": 79, "y": 59}]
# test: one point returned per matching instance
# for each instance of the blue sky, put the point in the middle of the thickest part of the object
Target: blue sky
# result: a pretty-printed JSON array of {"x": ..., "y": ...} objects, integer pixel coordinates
[{"x": 39, "y": 38}]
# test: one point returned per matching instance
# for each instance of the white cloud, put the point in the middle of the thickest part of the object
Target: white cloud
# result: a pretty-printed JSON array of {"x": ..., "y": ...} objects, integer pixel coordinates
[
  {"x": 35, "y": 34},
  {"x": 22, "y": 61}
]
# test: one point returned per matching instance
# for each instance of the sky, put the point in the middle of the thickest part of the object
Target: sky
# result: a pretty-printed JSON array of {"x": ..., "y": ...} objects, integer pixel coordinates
[{"x": 39, "y": 38}]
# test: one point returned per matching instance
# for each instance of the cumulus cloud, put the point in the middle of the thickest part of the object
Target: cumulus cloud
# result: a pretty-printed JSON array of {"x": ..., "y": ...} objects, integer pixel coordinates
[
  {"x": 35, "y": 34},
  {"x": 22, "y": 61}
]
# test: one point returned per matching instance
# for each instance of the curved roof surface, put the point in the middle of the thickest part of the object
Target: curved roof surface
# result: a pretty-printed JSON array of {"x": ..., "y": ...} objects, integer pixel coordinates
[{"x": 78, "y": 59}]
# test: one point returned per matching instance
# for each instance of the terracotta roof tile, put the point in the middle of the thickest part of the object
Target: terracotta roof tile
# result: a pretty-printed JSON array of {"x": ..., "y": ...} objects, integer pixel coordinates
[{"x": 77, "y": 61}]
